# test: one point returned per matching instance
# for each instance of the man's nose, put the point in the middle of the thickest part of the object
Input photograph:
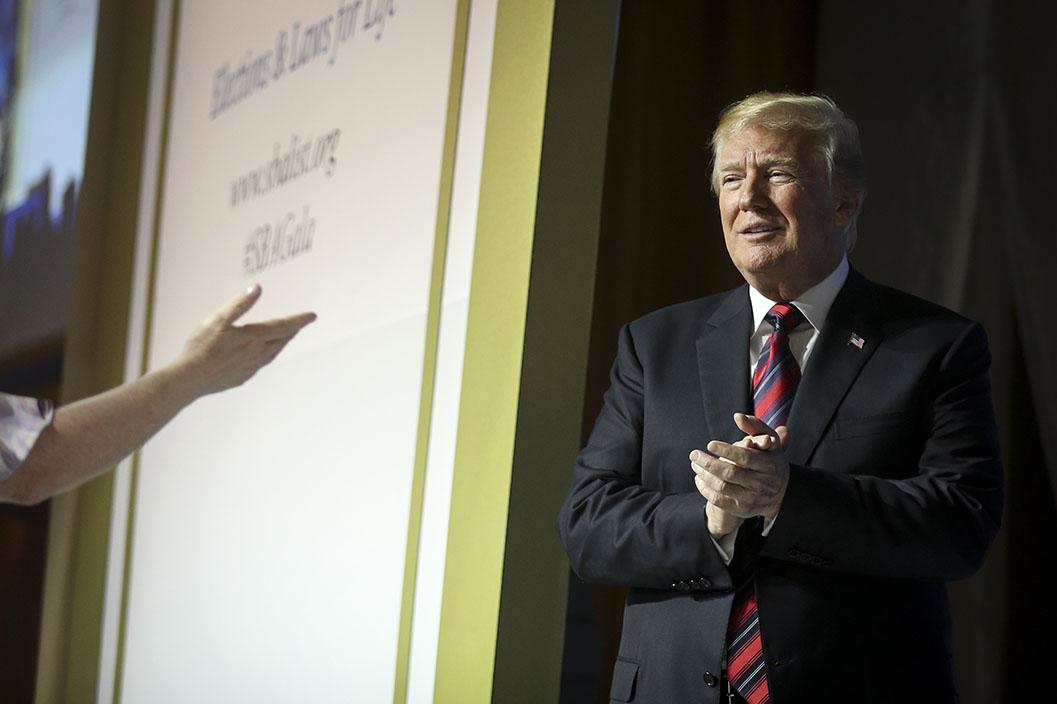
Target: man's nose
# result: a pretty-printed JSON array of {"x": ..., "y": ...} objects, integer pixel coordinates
[{"x": 753, "y": 193}]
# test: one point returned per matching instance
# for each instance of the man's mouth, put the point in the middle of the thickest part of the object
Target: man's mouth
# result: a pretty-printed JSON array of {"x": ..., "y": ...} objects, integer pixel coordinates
[{"x": 760, "y": 228}]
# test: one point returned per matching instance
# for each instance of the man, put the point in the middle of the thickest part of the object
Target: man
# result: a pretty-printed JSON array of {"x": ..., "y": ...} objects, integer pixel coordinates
[{"x": 786, "y": 475}]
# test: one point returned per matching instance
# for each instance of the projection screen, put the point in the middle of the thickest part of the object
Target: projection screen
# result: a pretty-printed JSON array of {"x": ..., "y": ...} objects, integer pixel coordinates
[{"x": 307, "y": 149}]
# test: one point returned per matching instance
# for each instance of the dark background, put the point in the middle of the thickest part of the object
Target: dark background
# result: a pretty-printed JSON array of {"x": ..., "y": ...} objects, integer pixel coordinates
[
  {"x": 23, "y": 539},
  {"x": 956, "y": 104},
  {"x": 957, "y": 108}
]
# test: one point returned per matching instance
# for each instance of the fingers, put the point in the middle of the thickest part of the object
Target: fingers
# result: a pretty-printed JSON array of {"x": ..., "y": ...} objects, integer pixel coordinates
[
  {"x": 751, "y": 425},
  {"x": 269, "y": 330},
  {"x": 237, "y": 306},
  {"x": 758, "y": 442},
  {"x": 749, "y": 458},
  {"x": 280, "y": 328},
  {"x": 739, "y": 490},
  {"x": 723, "y": 471}
]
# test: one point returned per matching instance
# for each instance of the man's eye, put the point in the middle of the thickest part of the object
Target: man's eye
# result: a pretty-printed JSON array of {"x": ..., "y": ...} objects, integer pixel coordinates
[
  {"x": 731, "y": 180},
  {"x": 781, "y": 176}
]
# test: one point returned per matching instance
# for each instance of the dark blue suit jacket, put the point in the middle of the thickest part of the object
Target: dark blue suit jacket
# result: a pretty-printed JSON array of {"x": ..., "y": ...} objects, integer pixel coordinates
[{"x": 895, "y": 488}]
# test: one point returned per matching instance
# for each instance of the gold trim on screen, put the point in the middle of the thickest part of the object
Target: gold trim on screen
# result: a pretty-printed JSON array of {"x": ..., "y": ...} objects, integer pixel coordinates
[{"x": 429, "y": 367}]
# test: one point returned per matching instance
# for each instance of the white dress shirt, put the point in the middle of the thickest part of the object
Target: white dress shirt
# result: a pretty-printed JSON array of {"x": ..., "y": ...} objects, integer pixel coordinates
[{"x": 814, "y": 304}]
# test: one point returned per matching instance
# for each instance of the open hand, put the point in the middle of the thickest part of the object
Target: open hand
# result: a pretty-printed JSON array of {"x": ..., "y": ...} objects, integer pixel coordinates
[{"x": 221, "y": 354}]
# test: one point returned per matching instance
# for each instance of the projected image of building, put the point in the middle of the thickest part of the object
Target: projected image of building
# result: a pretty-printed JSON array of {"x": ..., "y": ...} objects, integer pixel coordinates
[{"x": 46, "y": 60}]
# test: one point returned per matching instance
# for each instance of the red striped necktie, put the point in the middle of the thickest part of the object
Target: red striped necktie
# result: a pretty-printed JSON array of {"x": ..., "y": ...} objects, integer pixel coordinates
[{"x": 773, "y": 386}]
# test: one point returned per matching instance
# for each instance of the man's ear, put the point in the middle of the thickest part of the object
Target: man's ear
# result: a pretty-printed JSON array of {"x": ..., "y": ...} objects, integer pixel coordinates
[{"x": 849, "y": 201}]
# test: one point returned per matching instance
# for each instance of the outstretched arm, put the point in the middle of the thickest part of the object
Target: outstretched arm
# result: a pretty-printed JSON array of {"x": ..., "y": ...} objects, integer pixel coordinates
[{"x": 89, "y": 436}]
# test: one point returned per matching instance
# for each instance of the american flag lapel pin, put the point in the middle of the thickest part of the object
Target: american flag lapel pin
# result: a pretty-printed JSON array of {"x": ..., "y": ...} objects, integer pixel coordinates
[{"x": 856, "y": 340}]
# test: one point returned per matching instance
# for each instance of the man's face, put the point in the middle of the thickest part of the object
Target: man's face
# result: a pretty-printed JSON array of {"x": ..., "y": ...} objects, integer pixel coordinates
[{"x": 782, "y": 222}]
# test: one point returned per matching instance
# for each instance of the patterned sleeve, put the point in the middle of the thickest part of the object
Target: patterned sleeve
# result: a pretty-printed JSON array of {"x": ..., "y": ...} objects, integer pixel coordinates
[{"x": 21, "y": 421}]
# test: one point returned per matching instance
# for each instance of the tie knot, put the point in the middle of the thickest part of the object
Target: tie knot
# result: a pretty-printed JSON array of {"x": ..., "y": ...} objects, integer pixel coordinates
[{"x": 784, "y": 317}]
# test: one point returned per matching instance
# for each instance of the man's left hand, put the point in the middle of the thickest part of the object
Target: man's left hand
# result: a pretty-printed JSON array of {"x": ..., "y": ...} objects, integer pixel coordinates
[{"x": 742, "y": 481}]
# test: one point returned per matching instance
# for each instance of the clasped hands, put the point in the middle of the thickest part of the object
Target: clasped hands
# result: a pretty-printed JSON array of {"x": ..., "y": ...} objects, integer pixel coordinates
[{"x": 744, "y": 479}]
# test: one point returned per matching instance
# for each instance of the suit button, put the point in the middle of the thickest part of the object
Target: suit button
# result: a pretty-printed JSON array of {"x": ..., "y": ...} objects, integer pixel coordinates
[
  {"x": 710, "y": 680},
  {"x": 682, "y": 586},
  {"x": 705, "y": 583}
]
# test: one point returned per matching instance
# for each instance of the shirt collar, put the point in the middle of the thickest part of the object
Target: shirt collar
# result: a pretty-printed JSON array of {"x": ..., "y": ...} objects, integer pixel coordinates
[{"x": 813, "y": 303}]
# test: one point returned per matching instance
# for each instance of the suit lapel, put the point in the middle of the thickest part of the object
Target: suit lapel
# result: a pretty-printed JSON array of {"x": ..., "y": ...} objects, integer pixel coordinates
[
  {"x": 723, "y": 365},
  {"x": 834, "y": 364}
]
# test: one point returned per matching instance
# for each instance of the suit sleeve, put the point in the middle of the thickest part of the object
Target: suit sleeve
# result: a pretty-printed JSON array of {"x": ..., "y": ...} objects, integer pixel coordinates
[
  {"x": 614, "y": 529},
  {"x": 938, "y": 523}
]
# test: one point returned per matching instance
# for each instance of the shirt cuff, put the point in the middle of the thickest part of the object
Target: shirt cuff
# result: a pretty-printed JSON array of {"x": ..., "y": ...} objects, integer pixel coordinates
[
  {"x": 725, "y": 545},
  {"x": 768, "y": 523},
  {"x": 21, "y": 421}
]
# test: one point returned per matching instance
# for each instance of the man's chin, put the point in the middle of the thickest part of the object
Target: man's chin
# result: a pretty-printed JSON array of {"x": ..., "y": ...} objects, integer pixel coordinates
[{"x": 760, "y": 260}]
